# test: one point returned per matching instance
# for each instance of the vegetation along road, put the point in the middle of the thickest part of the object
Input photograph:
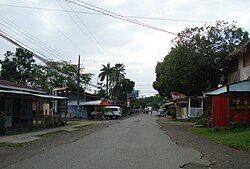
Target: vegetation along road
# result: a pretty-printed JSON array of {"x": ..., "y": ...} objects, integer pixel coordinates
[{"x": 133, "y": 143}]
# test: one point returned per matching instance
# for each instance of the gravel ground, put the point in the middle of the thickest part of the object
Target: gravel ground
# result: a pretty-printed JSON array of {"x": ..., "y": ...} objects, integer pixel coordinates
[
  {"x": 221, "y": 156},
  {"x": 10, "y": 155}
]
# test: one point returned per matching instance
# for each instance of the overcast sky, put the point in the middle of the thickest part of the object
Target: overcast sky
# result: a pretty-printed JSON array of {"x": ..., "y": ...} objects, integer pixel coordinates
[{"x": 100, "y": 39}]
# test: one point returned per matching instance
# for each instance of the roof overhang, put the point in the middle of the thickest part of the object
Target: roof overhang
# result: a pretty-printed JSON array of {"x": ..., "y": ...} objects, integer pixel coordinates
[
  {"x": 21, "y": 89},
  {"x": 90, "y": 103},
  {"x": 32, "y": 94},
  {"x": 242, "y": 86}
]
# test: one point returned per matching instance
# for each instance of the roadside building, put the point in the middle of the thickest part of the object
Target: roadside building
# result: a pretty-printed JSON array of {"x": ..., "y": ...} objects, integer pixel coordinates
[
  {"x": 189, "y": 107},
  {"x": 23, "y": 104},
  {"x": 230, "y": 103},
  {"x": 85, "y": 107}
]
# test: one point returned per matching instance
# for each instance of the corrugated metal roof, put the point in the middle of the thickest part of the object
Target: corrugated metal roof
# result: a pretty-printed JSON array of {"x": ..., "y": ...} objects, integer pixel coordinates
[
  {"x": 85, "y": 103},
  {"x": 32, "y": 94},
  {"x": 242, "y": 86},
  {"x": 14, "y": 86}
]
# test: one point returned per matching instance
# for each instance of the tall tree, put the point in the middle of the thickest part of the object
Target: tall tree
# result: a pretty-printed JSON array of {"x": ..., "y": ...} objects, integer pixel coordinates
[
  {"x": 58, "y": 74},
  {"x": 198, "y": 61},
  {"x": 121, "y": 89},
  {"x": 105, "y": 74},
  {"x": 18, "y": 67},
  {"x": 117, "y": 73}
]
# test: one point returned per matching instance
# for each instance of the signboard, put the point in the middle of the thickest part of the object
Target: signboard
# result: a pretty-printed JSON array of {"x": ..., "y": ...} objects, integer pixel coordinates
[{"x": 134, "y": 94}]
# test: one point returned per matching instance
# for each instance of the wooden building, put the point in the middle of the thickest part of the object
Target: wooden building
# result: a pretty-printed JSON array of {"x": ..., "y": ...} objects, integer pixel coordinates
[{"x": 22, "y": 104}]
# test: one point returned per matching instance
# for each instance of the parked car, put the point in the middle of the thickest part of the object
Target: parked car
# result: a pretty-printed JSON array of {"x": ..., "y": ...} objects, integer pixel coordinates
[
  {"x": 112, "y": 112},
  {"x": 162, "y": 113}
]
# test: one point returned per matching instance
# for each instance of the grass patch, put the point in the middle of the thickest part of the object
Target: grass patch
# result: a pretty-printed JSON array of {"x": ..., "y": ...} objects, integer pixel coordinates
[
  {"x": 238, "y": 137},
  {"x": 71, "y": 123},
  {"x": 6, "y": 144},
  {"x": 51, "y": 134},
  {"x": 84, "y": 125},
  {"x": 20, "y": 131}
]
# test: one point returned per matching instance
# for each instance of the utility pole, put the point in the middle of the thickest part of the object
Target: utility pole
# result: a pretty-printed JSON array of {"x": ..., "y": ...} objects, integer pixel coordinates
[
  {"x": 78, "y": 87},
  {"x": 107, "y": 78}
]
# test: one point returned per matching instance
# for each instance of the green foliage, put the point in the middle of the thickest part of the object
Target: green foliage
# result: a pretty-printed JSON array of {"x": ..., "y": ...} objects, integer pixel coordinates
[
  {"x": 100, "y": 109},
  {"x": 2, "y": 117},
  {"x": 58, "y": 74},
  {"x": 49, "y": 121},
  {"x": 2, "y": 123},
  {"x": 56, "y": 121},
  {"x": 153, "y": 101},
  {"x": 199, "y": 59},
  {"x": 117, "y": 86},
  {"x": 18, "y": 67},
  {"x": 238, "y": 137},
  {"x": 136, "y": 104},
  {"x": 172, "y": 113},
  {"x": 202, "y": 122},
  {"x": 105, "y": 74},
  {"x": 122, "y": 88}
]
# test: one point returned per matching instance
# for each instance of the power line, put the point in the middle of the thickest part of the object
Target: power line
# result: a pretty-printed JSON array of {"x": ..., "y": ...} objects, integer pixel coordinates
[
  {"x": 115, "y": 15},
  {"x": 59, "y": 30},
  {"x": 95, "y": 13},
  {"x": 78, "y": 25},
  {"x": 168, "y": 19},
  {"x": 47, "y": 9},
  {"x": 48, "y": 47},
  {"x": 26, "y": 37},
  {"x": 23, "y": 46},
  {"x": 91, "y": 34}
]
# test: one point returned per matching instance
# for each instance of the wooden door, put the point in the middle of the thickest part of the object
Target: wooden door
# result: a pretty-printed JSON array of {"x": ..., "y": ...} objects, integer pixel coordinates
[{"x": 220, "y": 110}]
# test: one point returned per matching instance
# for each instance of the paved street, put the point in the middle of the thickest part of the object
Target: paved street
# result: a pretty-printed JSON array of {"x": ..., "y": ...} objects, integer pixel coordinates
[{"x": 133, "y": 143}]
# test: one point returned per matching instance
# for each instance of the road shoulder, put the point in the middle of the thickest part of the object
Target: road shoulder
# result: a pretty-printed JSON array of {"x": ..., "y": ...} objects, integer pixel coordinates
[
  {"x": 220, "y": 156},
  {"x": 16, "y": 152}
]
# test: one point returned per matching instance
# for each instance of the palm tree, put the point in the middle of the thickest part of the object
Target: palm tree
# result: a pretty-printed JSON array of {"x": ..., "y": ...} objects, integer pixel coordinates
[
  {"x": 105, "y": 74},
  {"x": 117, "y": 73}
]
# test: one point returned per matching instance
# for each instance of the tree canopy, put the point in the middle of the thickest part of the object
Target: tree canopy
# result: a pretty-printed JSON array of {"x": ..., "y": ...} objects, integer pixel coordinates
[
  {"x": 199, "y": 59},
  {"x": 20, "y": 67},
  {"x": 117, "y": 85}
]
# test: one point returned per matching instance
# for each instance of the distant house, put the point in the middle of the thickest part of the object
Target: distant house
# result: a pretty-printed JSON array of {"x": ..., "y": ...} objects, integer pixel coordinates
[
  {"x": 87, "y": 102},
  {"x": 85, "y": 107},
  {"x": 230, "y": 103},
  {"x": 21, "y": 103},
  {"x": 189, "y": 107}
]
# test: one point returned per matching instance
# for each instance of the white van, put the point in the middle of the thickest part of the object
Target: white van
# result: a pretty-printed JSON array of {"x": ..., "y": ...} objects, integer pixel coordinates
[{"x": 112, "y": 112}]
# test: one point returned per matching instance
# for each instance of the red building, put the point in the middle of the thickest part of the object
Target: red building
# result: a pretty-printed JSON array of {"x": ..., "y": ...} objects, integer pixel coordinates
[{"x": 231, "y": 103}]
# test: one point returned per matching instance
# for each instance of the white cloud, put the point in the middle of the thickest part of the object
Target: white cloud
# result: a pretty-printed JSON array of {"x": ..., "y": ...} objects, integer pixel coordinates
[
  {"x": 115, "y": 1},
  {"x": 139, "y": 48}
]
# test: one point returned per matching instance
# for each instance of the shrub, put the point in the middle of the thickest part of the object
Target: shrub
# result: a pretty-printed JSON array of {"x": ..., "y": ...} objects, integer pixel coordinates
[
  {"x": 172, "y": 113},
  {"x": 2, "y": 117},
  {"x": 49, "y": 121},
  {"x": 2, "y": 123},
  {"x": 203, "y": 122},
  {"x": 56, "y": 121}
]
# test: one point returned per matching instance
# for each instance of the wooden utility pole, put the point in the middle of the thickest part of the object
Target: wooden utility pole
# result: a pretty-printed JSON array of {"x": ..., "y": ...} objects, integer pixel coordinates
[{"x": 78, "y": 87}]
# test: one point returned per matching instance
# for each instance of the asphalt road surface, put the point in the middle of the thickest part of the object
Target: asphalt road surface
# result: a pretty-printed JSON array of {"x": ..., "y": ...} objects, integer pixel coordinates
[{"x": 134, "y": 143}]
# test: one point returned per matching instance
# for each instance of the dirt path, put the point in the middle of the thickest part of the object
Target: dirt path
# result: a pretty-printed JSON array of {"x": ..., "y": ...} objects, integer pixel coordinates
[
  {"x": 10, "y": 155},
  {"x": 222, "y": 157}
]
